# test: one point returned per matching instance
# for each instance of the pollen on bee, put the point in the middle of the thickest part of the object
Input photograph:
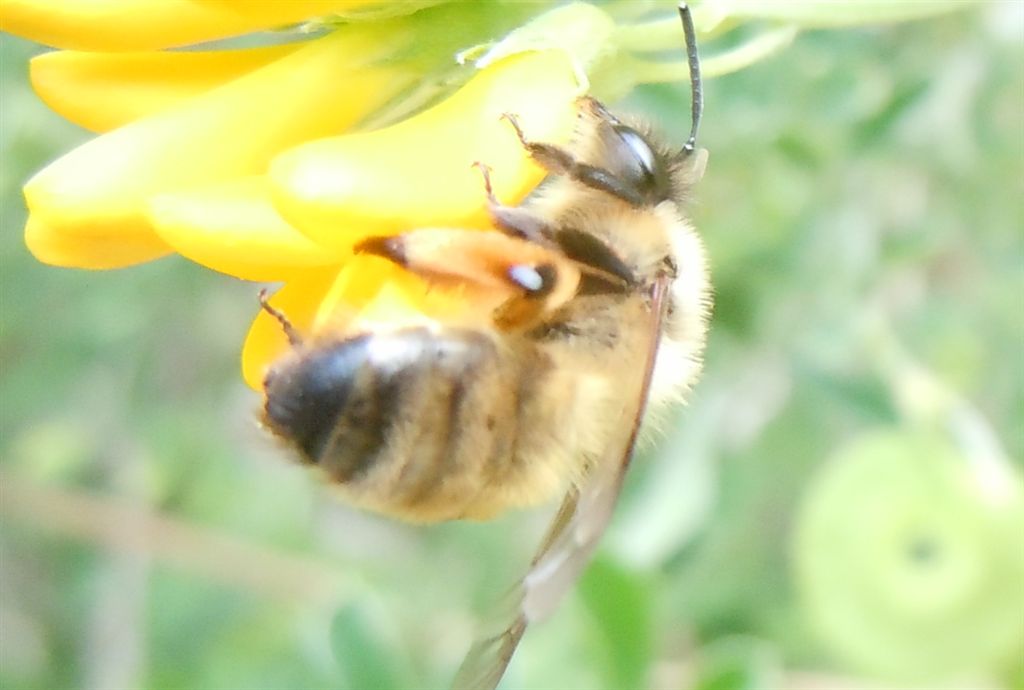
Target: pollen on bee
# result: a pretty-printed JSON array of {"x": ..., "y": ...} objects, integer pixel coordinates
[{"x": 537, "y": 280}]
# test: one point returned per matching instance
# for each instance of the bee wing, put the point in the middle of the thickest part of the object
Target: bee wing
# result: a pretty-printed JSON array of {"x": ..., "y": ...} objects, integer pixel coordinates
[
  {"x": 570, "y": 540},
  {"x": 487, "y": 659}
]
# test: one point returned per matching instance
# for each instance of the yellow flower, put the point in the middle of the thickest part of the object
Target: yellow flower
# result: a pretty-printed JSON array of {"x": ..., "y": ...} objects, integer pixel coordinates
[
  {"x": 89, "y": 207},
  {"x": 417, "y": 173},
  {"x": 122, "y": 25},
  {"x": 245, "y": 160}
]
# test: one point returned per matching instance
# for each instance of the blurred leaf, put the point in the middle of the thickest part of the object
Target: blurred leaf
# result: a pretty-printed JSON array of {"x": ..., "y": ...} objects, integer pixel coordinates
[
  {"x": 620, "y": 602},
  {"x": 758, "y": 47},
  {"x": 909, "y": 564},
  {"x": 907, "y": 95},
  {"x": 862, "y": 395},
  {"x": 838, "y": 13},
  {"x": 365, "y": 657},
  {"x": 737, "y": 663}
]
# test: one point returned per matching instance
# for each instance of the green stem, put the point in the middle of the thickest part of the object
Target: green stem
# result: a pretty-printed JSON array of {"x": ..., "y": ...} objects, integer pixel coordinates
[
  {"x": 754, "y": 50},
  {"x": 840, "y": 13},
  {"x": 666, "y": 33}
]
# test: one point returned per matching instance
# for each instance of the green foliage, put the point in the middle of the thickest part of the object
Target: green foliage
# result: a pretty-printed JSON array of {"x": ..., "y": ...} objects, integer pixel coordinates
[
  {"x": 366, "y": 660},
  {"x": 909, "y": 559},
  {"x": 620, "y": 604},
  {"x": 863, "y": 214},
  {"x": 737, "y": 663}
]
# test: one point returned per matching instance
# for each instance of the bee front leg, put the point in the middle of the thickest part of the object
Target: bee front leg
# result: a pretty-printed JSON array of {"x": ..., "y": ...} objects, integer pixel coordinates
[
  {"x": 514, "y": 220},
  {"x": 559, "y": 161}
]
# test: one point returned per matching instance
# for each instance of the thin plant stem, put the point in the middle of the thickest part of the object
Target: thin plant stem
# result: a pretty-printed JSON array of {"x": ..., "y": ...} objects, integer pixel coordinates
[{"x": 746, "y": 54}]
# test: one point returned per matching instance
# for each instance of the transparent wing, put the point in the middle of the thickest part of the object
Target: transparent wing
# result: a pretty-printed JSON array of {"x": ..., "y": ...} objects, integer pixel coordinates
[{"x": 570, "y": 540}]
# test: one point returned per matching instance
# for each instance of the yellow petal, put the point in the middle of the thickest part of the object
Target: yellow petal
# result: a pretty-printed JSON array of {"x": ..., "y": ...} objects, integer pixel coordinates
[
  {"x": 371, "y": 291},
  {"x": 96, "y": 252},
  {"x": 404, "y": 300},
  {"x": 115, "y": 25},
  {"x": 418, "y": 172},
  {"x": 102, "y": 91},
  {"x": 233, "y": 228},
  {"x": 266, "y": 342},
  {"x": 230, "y": 132},
  {"x": 359, "y": 280}
]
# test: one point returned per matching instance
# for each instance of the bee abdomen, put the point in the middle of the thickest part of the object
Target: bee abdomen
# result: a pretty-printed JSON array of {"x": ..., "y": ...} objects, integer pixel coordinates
[
  {"x": 309, "y": 395},
  {"x": 396, "y": 403}
]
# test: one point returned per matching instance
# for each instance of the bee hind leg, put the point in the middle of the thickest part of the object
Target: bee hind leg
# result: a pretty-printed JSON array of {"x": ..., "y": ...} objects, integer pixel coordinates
[
  {"x": 559, "y": 161},
  {"x": 529, "y": 280}
]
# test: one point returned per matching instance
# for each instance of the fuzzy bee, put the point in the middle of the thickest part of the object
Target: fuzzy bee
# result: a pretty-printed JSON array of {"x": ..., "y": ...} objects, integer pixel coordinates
[{"x": 609, "y": 304}]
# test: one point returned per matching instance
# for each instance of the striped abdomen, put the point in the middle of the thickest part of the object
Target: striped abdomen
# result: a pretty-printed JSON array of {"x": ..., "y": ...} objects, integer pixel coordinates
[{"x": 423, "y": 424}]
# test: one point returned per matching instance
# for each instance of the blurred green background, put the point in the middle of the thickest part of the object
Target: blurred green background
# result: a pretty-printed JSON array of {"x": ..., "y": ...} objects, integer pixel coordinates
[{"x": 838, "y": 507}]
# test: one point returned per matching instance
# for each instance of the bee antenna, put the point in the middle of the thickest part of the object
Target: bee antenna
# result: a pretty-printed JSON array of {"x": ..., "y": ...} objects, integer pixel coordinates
[
  {"x": 696, "y": 89},
  {"x": 289, "y": 330}
]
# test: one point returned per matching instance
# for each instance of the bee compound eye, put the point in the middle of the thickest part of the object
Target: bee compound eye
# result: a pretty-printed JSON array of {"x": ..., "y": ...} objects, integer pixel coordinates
[
  {"x": 631, "y": 158},
  {"x": 638, "y": 162}
]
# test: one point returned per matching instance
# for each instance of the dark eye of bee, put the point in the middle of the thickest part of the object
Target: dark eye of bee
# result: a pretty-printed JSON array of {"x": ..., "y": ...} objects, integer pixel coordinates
[{"x": 633, "y": 161}]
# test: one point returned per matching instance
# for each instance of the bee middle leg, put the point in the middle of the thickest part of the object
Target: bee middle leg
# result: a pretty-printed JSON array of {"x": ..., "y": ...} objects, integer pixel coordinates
[
  {"x": 559, "y": 161},
  {"x": 290, "y": 332}
]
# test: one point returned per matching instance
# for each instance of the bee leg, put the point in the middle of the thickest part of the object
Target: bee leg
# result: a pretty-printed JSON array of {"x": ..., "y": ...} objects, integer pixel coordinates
[
  {"x": 529, "y": 279},
  {"x": 487, "y": 260},
  {"x": 559, "y": 161},
  {"x": 289, "y": 330},
  {"x": 520, "y": 313},
  {"x": 514, "y": 220}
]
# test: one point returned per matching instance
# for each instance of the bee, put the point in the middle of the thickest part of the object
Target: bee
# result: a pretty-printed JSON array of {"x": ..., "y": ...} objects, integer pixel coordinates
[{"x": 607, "y": 308}]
